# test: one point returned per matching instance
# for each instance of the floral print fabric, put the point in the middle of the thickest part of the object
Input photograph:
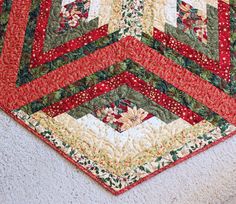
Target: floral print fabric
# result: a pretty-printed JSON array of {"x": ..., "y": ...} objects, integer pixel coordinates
[{"x": 121, "y": 89}]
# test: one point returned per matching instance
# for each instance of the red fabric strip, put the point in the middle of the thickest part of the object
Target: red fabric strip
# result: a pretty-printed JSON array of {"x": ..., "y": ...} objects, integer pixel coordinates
[
  {"x": 190, "y": 83},
  {"x": 96, "y": 178},
  {"x": 113, "y": 83},
  {"x": 187, "y": 51},
  {"x": 224, "y": 38},
  {"x": 128, "y": 47},
  {"x": 221, "y": 68},
  {"x": 38, "y": 57},
  {"x": 1, "y": 4}
]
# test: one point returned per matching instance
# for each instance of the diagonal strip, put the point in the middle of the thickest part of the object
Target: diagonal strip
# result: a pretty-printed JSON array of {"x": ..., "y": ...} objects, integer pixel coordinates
[
  {"x": 184, "y": 80},
  {"x": 112, "y": 71},
  {"x": 12, "y": 97},
  {"x": 221, "y": 68},
  {"x": 10, "y": 57},
  {"x": 39, "y": 57},
  {"x": 187, "y": 51},
  {"x": 210, "y": 47},
  {"x": 192, "y": 66},
  {"x": 127, "y": 93},
  {"x": 59, "y": 30},
  {"x": 113, "y": 83}
]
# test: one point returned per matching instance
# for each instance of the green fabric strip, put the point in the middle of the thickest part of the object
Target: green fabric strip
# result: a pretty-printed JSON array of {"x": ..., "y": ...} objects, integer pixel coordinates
[
  {"x": 189, "y": 64},
  {"x": 124, "y": 92},
  {"x": 54, "y": 39},
  {"x": 4, "y": 16},
  {"x": 211, "y": 49},
  {"x": 112, "y": 71}
]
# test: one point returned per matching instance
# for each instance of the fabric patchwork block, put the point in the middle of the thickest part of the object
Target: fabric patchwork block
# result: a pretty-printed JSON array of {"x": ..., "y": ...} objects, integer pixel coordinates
[{"x": 122, "y": 89}]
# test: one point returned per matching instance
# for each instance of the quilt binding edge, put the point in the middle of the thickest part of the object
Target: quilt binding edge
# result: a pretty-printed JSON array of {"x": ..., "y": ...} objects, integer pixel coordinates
[{"x": 97, "y": 179}]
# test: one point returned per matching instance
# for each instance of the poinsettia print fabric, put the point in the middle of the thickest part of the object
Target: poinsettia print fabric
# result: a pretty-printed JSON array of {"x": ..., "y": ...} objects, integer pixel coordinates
[{"x": 122, "y": 89}]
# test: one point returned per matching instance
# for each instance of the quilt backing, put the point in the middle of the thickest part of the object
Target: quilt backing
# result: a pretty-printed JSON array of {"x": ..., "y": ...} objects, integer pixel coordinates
[{"x": 123, "y": 89}]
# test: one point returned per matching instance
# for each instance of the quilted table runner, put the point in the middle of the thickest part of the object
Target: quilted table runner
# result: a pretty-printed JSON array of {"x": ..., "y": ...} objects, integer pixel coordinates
[{"x": 123, "y": 89}]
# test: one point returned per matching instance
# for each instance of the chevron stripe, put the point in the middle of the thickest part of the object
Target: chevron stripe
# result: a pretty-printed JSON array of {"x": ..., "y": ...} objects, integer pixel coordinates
[
  {"x": 132, "y": 81},
  {"x": 57, "y": 35},
  {"x": 170, "y": 91},
  {"x": 127, "y": 93},
  {"x": 112, "y": 71},
  {"x": 209, "y": 48},
  {"x": 58, "y": 62},
  {"x": 38, "y": 57},
  {"x": 71, "y": 69},
  {"x": 73, "y": 135},
  {"x": 188, "y": 52},
  {"x": 222, "y": 68}
]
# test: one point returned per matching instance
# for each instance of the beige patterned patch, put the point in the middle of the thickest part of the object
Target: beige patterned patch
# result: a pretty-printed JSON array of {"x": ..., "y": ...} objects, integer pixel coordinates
[{"x": 115, "y": 157}]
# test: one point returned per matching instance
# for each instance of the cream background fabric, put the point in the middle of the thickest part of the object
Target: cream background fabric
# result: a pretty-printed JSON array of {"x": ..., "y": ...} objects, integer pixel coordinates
[{"x": 33, "y": 173}]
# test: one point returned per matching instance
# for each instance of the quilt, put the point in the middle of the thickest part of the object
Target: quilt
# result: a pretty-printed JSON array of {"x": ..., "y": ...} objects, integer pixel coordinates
[{"x": 123, "y": 89}]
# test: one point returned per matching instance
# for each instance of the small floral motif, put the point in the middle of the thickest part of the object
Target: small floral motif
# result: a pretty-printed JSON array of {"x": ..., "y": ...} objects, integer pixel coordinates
[
  {"x": 192, "y": 21},
  {"x": 72, "y": 14},
  {"x": 122, "y": 115},
  {"x": 132, "y": 12},
  {"x": 132, "y": 117},
  {"x": 120, "y": 182},
  {"x": 115, "y": 159}
]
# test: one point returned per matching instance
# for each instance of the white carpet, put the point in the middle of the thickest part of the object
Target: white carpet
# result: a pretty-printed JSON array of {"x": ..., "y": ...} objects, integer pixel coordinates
[{"x": 33, "y": 173}]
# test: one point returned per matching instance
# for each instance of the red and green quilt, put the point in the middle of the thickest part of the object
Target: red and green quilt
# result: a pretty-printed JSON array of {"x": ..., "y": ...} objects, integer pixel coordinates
[{"x": 123, "y": 89}]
